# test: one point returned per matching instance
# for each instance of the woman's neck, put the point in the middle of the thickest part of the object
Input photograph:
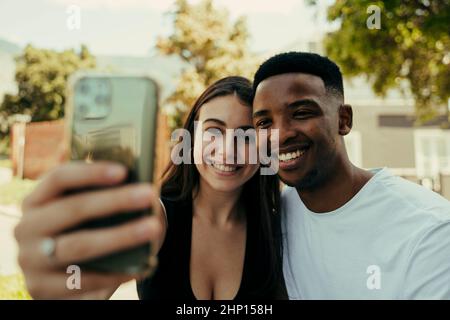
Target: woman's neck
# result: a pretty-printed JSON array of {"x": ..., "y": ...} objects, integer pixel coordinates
[{"x": 218, "y": 207}]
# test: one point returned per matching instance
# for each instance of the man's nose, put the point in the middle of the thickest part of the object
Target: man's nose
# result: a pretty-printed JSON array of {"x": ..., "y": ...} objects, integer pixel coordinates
[{"x": 285, "y": 131}]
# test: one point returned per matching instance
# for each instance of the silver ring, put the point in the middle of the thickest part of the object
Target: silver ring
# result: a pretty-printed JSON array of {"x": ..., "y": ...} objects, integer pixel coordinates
[{"x": 48, "y": 248}]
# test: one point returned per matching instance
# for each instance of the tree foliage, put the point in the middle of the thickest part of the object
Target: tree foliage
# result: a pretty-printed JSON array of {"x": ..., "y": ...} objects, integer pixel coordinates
[
  {"x": 412, "y": 46},
  {"x": 210, "y": 44},
  {"x": 41, "y": 77}
]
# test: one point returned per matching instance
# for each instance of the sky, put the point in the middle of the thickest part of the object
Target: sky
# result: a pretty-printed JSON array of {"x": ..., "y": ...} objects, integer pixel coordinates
[{"x": 131, "y": 27}]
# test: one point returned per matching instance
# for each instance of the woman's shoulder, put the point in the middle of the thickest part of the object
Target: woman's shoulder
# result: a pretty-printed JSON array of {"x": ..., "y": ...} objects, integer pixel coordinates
[
  {"x": 173, "y": 200},
  {"x": 168, "y": 200},
  {"x": 174, "y": 206}
]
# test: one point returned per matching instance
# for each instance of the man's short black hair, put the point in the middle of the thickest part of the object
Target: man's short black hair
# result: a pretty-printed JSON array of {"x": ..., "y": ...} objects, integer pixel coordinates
[{"x": 302, "y": 62}]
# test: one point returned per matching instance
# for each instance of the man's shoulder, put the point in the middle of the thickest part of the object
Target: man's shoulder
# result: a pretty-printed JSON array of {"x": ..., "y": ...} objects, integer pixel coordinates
[
  {"x": 289, "y": 197},
  {"x": 287, "y": 192},
  {"x": 413, "y": 197},
  {"x": 388, "y": 193},
  {"x": 291, "y": 205}
]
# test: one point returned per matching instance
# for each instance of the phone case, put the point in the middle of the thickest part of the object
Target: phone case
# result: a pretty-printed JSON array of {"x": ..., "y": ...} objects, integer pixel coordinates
[{"x": 112, "y": 117}]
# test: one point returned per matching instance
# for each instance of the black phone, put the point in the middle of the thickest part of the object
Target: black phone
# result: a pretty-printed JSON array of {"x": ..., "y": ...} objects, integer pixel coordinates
[{"x": 114, "y": 118}]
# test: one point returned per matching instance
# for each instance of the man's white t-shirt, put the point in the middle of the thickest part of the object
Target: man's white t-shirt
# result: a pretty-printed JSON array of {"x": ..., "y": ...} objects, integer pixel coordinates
[{"x": 390, "y": 241}]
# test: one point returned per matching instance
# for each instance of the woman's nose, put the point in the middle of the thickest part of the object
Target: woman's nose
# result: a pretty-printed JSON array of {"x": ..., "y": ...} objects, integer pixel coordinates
[{"x": 227, "y": 149}]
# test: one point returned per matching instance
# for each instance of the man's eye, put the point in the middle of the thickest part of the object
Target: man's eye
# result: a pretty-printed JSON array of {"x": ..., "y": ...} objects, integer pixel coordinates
[
  {"x": 263, "y": 123},
  {"x": 302, "y": 114}
]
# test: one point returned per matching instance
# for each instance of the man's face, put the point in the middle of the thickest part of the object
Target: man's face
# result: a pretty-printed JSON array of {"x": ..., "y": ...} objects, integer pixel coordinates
[{"x": 307, "y": 118}]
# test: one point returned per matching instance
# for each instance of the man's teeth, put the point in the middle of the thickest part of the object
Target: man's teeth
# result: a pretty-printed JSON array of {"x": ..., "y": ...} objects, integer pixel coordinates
[
  {"x": 290, "y": 155},
  {"x": 225, "y": 168}
]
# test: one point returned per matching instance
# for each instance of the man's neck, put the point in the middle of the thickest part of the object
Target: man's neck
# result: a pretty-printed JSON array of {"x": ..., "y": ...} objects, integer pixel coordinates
[{"x": 337, "y": 190}]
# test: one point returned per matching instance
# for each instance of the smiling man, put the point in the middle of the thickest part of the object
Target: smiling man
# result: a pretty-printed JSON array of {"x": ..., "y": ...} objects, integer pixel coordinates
[{"x": 349, "y": 233}]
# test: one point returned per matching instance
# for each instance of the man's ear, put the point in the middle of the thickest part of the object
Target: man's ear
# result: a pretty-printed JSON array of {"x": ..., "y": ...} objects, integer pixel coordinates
[{"x": 345, "y": 119}]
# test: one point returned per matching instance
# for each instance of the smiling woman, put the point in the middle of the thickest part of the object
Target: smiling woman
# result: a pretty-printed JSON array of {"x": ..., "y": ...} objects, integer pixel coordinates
[{"x": 223, "y": 232}]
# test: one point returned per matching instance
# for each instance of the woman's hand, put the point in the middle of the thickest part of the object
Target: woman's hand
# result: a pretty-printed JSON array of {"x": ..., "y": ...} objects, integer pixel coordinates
[{"x": 47, "y": 213}]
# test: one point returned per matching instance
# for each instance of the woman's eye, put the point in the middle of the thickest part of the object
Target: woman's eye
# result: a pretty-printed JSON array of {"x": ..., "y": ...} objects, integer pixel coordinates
[{"x": 214, "y": 131}]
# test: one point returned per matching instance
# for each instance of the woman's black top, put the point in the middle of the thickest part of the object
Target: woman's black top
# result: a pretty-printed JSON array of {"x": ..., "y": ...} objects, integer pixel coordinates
[{"x": 171, "y": 280}]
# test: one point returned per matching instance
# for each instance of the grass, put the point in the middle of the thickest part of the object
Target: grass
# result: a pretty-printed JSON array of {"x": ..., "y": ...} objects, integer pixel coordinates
[
  {"x": 5, "y": 147},
  {"x": 6, "y": 163},
  {"x": 12, "y": 287},
  {"x": 14, "y": 191}
]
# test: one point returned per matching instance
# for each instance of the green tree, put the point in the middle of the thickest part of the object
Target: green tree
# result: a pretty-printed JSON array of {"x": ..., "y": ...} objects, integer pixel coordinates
[
  {"x": 212, "y": 46},
  {"x": 412, "y": 46},
  {"x": 41, "y": 77}
]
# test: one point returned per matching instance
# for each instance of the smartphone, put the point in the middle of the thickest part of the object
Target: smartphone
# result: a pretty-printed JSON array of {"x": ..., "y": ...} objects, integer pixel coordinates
[{"x": 114, "y": 117}]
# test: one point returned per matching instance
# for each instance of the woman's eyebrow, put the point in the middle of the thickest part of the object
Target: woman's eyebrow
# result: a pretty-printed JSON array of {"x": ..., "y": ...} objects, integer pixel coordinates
[
  {"x": 215, "y": 120},
  {"x": 244, "y": 127}
]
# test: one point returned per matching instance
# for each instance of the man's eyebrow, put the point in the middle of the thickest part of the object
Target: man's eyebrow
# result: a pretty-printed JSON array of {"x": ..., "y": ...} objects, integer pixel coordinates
[
  {"x": 215, "y": 120},
  {"x": 260, "y": 113},
  {"x": 295, "y": 104},
  {"x": 303, "y": 102}
]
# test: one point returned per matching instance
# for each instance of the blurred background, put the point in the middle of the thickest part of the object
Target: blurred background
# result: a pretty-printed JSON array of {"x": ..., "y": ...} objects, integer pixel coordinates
[{"x": 395, "y": 57}]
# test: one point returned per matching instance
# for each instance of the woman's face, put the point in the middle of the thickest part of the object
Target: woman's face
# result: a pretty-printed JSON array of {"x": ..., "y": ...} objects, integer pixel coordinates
[{"x": 218, "y": 115}]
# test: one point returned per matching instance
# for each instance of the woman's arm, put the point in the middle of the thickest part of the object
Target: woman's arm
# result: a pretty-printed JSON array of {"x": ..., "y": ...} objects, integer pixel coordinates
[{"x": 48, "y": 211}]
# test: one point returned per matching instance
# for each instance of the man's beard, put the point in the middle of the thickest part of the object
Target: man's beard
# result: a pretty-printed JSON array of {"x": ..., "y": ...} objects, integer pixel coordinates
[
  {"x": 320, "y": 173},
  {"x": 313, "y": 179}
]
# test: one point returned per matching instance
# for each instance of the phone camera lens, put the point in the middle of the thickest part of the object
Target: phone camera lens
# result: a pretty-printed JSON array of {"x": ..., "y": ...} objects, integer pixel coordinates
[{"x": 101, "y": 100}]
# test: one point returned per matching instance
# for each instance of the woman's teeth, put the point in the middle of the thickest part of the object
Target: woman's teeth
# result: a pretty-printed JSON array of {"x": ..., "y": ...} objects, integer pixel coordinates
[
  {"x": 225, "y": 168},
  {"x": 290, "y": 155}
]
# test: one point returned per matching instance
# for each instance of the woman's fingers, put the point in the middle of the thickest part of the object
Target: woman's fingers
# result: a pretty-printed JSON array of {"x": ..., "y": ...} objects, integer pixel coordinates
[
  {"x": 59, "y": 285},
  {"x": 70, "y": 211},
  {"x": 74, "y": 175},
  {"x": 80, "y": 246},
  {"x": 51, "y": 211}
]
